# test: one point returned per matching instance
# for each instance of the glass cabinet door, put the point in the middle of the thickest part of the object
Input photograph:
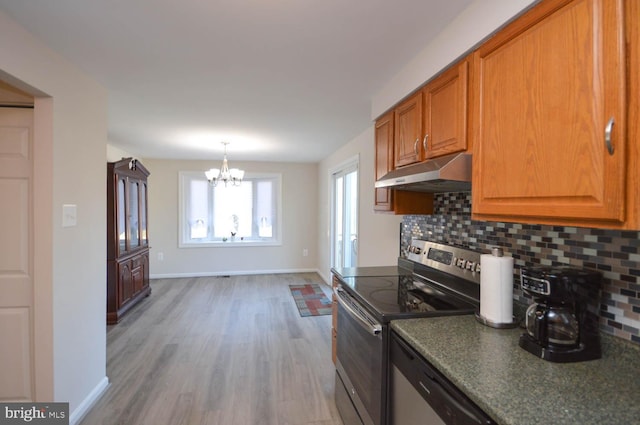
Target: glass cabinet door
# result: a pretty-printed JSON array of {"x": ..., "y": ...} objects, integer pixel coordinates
[
  {"x": 121, "y": 217},
  {"x": 143, "y": 215},
  {"x": 134, "y": 215}
]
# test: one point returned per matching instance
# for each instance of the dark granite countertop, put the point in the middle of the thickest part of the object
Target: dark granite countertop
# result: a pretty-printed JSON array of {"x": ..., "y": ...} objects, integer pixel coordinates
[{"x": 515, "y": 387}]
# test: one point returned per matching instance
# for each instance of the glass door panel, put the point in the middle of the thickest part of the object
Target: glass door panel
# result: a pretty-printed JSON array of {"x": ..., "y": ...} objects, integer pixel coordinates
[
  {"x": 338, "y": 227},
  {"x": 134, "y": 217},
  {"x": 143, "y": 215},
  {"x": 345, "y": 217},
  {"x": 121, "y": 217},
  {"x": 351, "y": 219}
]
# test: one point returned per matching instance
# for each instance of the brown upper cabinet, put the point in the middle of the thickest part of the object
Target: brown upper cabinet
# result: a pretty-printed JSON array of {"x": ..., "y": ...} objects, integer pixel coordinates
[
  {"x": 408, "y": 131},
  {"x": 392, "y": 200},
  {"x": 549, "y": 106},
  {"x": 433, "y": 121},
  {"x": 445, "y": 112},
  {"x": 383, "y": 160},
  {"x": 550, "y": 117}
]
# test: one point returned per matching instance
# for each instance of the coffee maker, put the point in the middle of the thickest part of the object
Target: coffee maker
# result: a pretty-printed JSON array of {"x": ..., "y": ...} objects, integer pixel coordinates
[{"x": 562, "y": 323}]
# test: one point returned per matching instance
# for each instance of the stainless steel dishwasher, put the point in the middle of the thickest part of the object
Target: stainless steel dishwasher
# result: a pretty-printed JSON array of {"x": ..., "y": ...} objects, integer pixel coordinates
[{"x": 420, "y": 395}]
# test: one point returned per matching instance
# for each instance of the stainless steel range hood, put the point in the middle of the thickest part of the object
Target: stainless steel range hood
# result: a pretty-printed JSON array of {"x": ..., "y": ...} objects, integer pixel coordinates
[{"x": 450, "y": 173}]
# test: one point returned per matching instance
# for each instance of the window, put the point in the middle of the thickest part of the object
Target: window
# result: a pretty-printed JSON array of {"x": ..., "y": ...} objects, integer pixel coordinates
[{"x": 243, "y": 215}]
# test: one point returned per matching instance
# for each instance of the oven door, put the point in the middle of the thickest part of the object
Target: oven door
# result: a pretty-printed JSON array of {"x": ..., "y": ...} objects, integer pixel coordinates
[{"x": 360, "y": 357}]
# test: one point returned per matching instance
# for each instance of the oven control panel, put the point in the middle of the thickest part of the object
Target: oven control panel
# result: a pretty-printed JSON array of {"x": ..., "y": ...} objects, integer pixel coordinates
[{"x": 454, "y": 260}]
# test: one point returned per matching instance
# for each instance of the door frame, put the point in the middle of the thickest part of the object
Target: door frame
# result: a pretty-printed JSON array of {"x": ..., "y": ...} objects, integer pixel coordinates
[{"x": 41, "y": 252}]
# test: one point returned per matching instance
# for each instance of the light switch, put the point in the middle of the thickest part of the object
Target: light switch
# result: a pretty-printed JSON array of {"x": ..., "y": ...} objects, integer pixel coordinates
[{"x": 69, "y": 215}]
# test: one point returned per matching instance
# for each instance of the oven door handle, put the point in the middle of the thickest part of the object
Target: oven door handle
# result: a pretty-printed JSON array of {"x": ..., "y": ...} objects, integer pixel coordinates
[{"x": 368, "y": 323}]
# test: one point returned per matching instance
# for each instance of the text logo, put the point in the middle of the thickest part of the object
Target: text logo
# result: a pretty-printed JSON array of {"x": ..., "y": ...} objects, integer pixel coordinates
[{"x": 34, "y": 413}]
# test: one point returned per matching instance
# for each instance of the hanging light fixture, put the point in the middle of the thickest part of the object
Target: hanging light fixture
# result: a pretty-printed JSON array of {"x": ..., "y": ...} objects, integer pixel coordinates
[{"x": 233, "y": 176}]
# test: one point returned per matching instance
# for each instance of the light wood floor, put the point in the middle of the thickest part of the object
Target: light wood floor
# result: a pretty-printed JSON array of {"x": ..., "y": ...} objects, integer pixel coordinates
[{"x": 219, "y": 350}]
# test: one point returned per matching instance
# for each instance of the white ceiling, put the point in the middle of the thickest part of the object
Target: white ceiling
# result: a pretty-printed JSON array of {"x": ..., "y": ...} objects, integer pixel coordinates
[{"x": 282, "y": 80}]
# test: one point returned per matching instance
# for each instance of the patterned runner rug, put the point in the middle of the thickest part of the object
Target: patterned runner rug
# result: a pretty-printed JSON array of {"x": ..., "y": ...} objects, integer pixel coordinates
[{"x": 310, "y": 300}]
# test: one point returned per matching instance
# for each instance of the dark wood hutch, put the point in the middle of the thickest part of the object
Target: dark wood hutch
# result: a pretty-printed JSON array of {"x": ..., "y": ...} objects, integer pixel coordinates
[{"x": 127, "y": 238}]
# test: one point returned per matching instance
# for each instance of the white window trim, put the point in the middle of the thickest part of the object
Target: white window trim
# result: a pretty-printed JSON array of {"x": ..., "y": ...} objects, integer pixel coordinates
[{"x": 275, "y": 241}]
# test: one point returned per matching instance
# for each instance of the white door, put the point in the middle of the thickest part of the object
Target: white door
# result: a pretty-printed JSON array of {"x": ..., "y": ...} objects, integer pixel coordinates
[
  {"x": 345, "y": 216},
  {"x": 16, "y": 269}
]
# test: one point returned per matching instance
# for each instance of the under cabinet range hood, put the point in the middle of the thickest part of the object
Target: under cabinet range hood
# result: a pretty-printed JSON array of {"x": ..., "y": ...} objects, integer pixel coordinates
[{"x": 450, "y": 173}]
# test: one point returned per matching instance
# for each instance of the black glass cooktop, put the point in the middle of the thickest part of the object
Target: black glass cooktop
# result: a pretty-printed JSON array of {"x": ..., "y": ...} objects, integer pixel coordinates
[{"x": 406, "y": 296}]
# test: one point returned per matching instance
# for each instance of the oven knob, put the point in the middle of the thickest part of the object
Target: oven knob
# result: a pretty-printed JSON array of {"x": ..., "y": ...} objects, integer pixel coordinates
[
  {"x": 470, "y": 265},
  {"x": 477, "y": 270},
  {"x": 418, "y": 250},
  {"x": 461, "y": 262}
]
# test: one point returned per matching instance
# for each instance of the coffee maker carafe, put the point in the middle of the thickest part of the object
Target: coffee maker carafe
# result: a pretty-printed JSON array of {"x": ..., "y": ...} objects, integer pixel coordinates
[{"x": 562, "y": 322}]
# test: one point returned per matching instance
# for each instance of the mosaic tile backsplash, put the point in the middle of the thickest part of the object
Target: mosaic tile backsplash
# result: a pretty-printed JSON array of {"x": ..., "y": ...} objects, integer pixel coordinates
[{"x": 614, "y": 253}]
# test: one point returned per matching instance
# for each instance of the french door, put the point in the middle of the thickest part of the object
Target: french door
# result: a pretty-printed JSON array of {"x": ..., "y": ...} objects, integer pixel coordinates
[{"x": 344, "y": 234}]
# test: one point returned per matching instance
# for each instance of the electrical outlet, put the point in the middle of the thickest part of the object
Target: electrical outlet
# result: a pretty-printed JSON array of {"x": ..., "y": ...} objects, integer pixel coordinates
[
  {"x": 161, "y": 256},
  {"x": 305, "y": 252}
]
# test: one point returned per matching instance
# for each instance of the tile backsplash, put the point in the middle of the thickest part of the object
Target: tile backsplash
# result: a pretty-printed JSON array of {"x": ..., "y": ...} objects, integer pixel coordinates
[{"x": 614, "y": 253}]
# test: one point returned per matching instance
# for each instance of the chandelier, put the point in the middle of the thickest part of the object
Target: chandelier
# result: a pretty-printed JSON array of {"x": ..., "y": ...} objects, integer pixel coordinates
[{"x": 233, "y": 176}]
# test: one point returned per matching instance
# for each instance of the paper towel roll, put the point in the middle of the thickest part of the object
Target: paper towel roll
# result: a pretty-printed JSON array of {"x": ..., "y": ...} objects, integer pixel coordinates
[{"x": 496, "y": 287}]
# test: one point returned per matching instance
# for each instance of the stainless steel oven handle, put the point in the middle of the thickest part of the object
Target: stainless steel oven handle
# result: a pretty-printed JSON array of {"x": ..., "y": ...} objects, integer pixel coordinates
[{"x": 365, "y": 322}]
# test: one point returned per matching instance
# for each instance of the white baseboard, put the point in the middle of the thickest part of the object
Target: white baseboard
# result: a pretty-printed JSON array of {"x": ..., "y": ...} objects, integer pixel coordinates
[
  {"x": 327, "y": 279},
  {"x": 79, "y": 413},
  {"x": 231, "y": 273}
]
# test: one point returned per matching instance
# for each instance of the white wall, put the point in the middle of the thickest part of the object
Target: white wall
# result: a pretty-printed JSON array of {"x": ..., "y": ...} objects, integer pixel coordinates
[
  {"x": 300, "y": 215},
  {"x": 378, "y": 234},
  {"x": 114, "y": 153},
  {"x": 475, "y": 23},
  {"x": 69, "y": 266}
]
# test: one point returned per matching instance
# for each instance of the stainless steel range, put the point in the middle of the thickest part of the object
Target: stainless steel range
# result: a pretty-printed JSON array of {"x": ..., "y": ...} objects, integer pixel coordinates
[{"x": 434, "y": 280}]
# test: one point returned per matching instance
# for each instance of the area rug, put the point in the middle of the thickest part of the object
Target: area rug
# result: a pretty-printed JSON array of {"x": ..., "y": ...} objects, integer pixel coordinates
[{"x": 310, "y": 300}]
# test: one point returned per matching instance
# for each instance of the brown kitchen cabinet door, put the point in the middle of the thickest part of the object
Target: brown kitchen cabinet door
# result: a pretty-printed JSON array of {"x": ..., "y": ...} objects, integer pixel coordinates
[
  {"x": 392, "y": 200},
  {"x": 125, "y": 282},
  {"x": 547, "y": 88},
  {"x": 445, "y": 112},
  {"x": 383, "y": 160},
  {"x": 408, "y": 131}
]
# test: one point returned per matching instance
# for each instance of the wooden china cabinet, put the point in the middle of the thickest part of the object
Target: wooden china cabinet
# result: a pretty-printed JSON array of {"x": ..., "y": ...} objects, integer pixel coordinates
[{"x": 127, "y": 238}]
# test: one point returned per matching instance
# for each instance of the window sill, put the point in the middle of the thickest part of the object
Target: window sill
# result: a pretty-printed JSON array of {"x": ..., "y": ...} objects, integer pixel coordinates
[{"x": 229, "y": 244}]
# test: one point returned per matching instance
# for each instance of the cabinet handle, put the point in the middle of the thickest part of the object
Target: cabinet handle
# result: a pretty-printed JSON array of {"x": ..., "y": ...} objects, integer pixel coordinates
[
  {"x": 425, "y": 142},
  {"x": 415, "y": 146},
  {"x": 607, "y": 135}
]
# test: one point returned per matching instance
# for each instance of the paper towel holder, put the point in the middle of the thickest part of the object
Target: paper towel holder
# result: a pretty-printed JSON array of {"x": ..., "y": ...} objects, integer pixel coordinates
[{"x": 497, "y": 252}]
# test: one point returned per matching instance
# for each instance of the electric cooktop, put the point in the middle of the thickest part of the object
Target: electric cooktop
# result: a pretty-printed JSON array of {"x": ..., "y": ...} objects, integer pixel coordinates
[
  {"x": 442, "y": 280},
  {"x": 405, "y": 296}
]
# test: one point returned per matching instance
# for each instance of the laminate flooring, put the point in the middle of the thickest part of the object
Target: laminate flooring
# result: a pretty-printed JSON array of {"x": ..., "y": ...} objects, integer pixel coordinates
[{"x": 219, "y": 350}]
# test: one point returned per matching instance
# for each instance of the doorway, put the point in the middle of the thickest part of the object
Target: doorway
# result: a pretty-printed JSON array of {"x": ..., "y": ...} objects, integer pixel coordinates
[
  {"x": 344, "y": 212},
  {"x": 16, "y": 258}
]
